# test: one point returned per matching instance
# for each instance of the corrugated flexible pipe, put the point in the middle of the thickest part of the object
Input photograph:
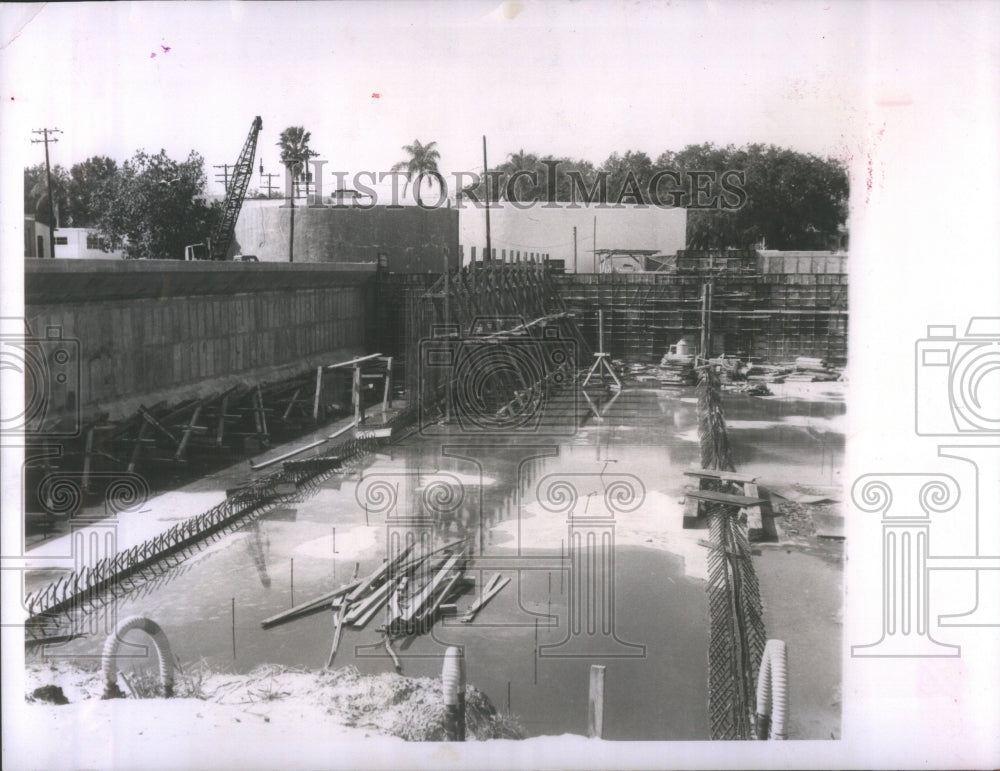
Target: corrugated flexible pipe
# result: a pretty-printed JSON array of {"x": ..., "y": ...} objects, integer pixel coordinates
[
  {"x": 772, "y": 692},
  {"x": 110, "y": 668}
]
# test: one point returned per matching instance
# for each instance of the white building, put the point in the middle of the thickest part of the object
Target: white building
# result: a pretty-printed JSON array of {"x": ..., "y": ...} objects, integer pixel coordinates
[
  {"x": 518, "y": 233},
  {"x": 71, "y": 243}
]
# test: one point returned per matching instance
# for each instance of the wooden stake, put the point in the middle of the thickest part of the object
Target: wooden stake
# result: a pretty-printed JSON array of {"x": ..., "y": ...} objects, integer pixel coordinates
[
  {"x": 387, "y": 641},
  {"x": 319, "y": 386},
  {"x": 453, "y": 693},
  {"x": 387, "y": 391},
  {"x": 595, "y": 706},
  {"x": 338, "y": 626},
  {"x": 86, "y": 459}
]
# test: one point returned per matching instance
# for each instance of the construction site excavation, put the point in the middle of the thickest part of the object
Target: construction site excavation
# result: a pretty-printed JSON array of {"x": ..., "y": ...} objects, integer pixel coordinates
[{"x": 401, "y": 473}]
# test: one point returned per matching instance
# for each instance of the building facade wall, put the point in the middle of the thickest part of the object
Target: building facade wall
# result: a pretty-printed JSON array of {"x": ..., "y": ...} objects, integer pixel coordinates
[{"x": 542, "y": 230}]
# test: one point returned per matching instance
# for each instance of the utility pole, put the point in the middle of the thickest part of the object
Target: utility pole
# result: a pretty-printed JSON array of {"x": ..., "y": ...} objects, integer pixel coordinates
[
  {"x": 48, "y": 183},
  {"x": 224, "y": 175},
  {"x": 269, "y": 177},
  {"x": 595, "y": 243},
  {"x": 291, "y": 228},
  {"x": 574, "y": 248},
  {"x": 706, "y": 320},
  {"x": 486, "y": 177}
]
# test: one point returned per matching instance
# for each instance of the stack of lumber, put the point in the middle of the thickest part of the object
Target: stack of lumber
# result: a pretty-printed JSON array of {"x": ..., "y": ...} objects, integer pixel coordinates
[
  {"x": 677, "y": 371},
  {"x": 414, "y": 590},
  {"x": 813, "y": 370}
]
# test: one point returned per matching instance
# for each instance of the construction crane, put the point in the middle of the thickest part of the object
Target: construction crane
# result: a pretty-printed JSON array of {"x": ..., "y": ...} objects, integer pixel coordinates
[{"x": 217, "y": 246}]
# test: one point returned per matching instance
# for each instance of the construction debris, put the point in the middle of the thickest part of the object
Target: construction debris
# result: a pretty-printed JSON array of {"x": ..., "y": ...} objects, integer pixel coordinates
[{"x": 415, "y": 590}]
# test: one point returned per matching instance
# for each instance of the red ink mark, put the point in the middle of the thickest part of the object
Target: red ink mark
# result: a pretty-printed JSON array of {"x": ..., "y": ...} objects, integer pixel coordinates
[
  {"x": 870, "y": 180},
  {"x": 376, "y": 95}
]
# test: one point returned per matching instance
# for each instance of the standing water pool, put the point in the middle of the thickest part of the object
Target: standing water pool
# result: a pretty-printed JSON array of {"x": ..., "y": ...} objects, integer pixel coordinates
[{"x": 587, "y": 526}]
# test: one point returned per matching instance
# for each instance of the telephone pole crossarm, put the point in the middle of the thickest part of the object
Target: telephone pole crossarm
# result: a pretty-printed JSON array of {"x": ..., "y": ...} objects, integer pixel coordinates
[{"x": 46, "y": 139}]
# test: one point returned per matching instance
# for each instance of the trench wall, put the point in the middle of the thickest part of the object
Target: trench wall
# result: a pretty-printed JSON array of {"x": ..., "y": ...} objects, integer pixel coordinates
[
  {"x": 770, "y": 309},
  {"x": 144, "y": 331}
]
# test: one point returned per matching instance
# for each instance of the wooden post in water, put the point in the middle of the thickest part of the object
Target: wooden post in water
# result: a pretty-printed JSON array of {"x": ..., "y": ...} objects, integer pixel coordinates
[
  {"x": 356, "y": 395},
  {"x": 453, "y": 692},
  {"x": 595, "y": 705}
]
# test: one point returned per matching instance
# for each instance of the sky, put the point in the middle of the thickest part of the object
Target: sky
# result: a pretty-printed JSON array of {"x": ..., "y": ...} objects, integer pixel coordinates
[{"x": 575, "y": 79}]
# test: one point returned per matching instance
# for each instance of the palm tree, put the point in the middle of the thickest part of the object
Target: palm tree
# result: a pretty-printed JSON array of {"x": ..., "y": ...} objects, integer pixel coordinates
[
  {"x": 295, "y": 150},
  {"x": 423, "y": 162},
  {"x": 519, "y": 161}
]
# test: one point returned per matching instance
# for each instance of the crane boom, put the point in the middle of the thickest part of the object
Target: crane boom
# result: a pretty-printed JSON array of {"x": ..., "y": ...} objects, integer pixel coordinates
[{"x": 222, "y": 237}]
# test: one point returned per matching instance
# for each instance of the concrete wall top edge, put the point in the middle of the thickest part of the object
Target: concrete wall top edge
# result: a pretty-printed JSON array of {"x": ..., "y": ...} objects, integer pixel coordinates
[{"x": 61, "y": 281}]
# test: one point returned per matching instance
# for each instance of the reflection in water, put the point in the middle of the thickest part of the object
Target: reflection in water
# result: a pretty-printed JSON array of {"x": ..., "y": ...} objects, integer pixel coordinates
[
  {"x": 463, "y": 486},
  {"x": 259, "y": 546}
]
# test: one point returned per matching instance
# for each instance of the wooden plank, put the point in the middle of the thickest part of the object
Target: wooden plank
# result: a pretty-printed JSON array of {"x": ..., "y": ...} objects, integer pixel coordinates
[
  {"x": 470, "y": 614},
  {"x": 428, "y": 615},
  {"x": 359, "y": 608},
  {"x": 395, "y": 611},
  {"x": 725, "y": 498},
  {"x": 425, "y": 594},
  {"x": 407, "y": 566},
  {"x": 338, "y": 628},
  {"x": 353, "y": 362},
  {"x": 362, "y": 614},
  {"x": 724, "y": 476},
  {"x": 319, "y": 388},
  {"x": 306, "y": 607},
  {"x": 754, "y": 514},
  {"x": 595, "y": 703},
  {"x": 367, "y": 583},
  {"x": 374, "y": 433},
  {"x": 287, "y": 455}
]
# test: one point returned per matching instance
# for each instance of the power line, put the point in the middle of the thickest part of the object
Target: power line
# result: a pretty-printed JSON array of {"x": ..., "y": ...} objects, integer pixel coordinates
[
  {"x": 48, "y": 179},
  {"x": 224, "y": 175},
  {"x": 269, "y": 177}
]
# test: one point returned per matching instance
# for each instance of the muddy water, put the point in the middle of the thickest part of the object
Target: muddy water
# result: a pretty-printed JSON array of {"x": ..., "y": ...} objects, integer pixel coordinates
[{"x": 645, "y": 617}]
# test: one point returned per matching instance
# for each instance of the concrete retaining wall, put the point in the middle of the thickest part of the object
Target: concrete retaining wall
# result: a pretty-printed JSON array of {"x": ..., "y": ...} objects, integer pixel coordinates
[
  {"x": 768, "y": 308},
  {"x": 411, "y": 238},
  {"x": 149, "y": 331}
]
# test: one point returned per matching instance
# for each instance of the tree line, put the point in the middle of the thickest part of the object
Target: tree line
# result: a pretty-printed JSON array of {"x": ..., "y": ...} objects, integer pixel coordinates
[
  {"x": 736, "y": 197},
  {"x": 149, "y": 206}
]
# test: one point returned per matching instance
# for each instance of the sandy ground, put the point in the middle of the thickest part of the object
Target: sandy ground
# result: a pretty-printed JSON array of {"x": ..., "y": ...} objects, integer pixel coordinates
[{"x": 271, "y": 718}]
